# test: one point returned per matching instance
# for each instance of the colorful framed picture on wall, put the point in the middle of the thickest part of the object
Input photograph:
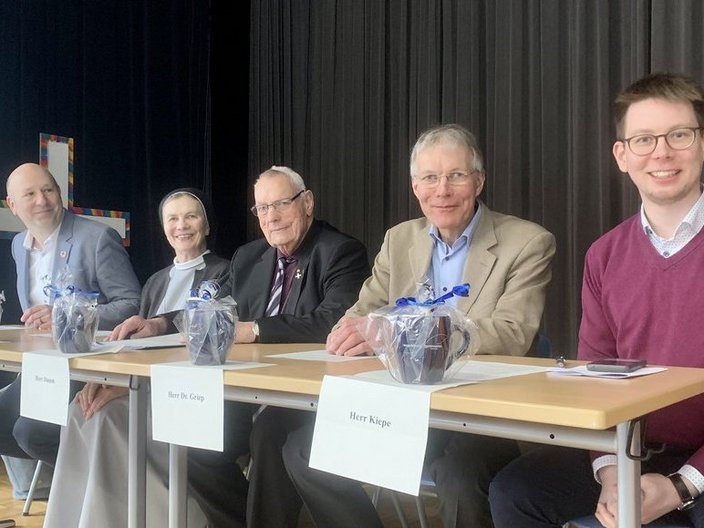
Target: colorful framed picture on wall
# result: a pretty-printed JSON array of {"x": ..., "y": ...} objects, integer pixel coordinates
[{"x": 56, "y": 154}]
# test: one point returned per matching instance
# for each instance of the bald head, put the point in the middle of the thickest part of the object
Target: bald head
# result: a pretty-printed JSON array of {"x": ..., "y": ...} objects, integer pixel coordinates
[
  {"x": 34, "y": 197},
  {"x": 24, "y": 170}
]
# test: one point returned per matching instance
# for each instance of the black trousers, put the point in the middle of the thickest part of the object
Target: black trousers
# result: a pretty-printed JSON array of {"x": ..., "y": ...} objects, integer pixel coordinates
[
  {"x": 272, "y": 501},
  {"x": 462, "y": 466},
  {"x": 24, "y": 437},
  {"x": 550, "y": 486}
]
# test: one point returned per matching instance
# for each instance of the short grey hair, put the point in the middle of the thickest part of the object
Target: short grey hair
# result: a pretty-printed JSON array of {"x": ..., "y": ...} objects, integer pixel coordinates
[
  {"x": 293, "y": 177},
  {"x": 452, "y": 134}
]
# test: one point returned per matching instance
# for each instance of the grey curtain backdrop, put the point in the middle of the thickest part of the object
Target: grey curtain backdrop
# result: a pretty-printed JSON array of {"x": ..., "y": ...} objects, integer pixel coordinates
[{"x": 340, "y": 90}]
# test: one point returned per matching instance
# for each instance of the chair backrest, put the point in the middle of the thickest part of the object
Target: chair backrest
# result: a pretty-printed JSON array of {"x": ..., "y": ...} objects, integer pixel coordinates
[{"x": 541, "y": 348}]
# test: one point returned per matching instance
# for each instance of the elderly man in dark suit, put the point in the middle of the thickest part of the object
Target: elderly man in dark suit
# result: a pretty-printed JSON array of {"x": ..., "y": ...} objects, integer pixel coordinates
[
  {"x": 319, "y": 268},
  {"x": 56, "y": 240}
]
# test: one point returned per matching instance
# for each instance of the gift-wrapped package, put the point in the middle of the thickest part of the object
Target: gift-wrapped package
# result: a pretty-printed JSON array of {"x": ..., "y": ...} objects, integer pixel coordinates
[
  {"x": 74, "y": 320},
  {"x": 209, "y": 326},
  {"x": 420, "y": 342}
]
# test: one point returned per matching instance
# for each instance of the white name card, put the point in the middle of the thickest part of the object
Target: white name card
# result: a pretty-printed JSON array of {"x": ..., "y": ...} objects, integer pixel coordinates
[
  {"x": 188, "y": 405},
  {"x": 45, "y": 387},
  {"x": 372, "y": 433}
]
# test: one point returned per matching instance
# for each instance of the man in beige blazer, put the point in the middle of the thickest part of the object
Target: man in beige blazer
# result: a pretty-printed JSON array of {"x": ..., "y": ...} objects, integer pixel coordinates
[
  {"x": 508, "y": 268},
  {"x": 506, "y": 261}
]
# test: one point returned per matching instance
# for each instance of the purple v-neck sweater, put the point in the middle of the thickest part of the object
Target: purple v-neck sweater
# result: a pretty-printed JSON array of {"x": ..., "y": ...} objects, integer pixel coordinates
[{"x": 638, "y": 304}]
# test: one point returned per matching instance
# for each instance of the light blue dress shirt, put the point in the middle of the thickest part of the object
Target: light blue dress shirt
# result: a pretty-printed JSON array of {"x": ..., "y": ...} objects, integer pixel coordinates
[{"x": 448, "y": 262}]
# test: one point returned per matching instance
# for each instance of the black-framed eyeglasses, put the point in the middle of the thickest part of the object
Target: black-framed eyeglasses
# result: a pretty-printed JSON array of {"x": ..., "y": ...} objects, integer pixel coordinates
[
  {"x": 278, "y": 205},
  {"x": 453, "y": 178},
  {"x": 677, "y": 139}
]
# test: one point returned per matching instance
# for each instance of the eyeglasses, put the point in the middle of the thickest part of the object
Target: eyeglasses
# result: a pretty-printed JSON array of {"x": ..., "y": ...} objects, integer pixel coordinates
[
  {"x": 453, "y": 178},
  {"x": 678, "y": 139},
  {"x": 278, "y": 205}
]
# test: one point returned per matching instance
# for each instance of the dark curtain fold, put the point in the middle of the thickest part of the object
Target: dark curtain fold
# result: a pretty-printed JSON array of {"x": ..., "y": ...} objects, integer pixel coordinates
[
  {"x": 341, "y": 89},
  {"x": 129, "y": 82}
]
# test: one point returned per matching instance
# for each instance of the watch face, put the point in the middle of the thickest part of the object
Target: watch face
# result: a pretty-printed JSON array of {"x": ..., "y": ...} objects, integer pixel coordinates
[{"x": 687, "y": 504}]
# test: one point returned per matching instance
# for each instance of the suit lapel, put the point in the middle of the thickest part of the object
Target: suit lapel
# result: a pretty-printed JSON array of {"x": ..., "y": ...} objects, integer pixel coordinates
[
  {"x": 63, "y": 246},
  {"x": 297, "y": 283},
  {"x": 23, "y": 271},
  {"x": 419, "y": 255},
  {"x": 261, "y": 282},
  {"x": 480, "y": 260}
]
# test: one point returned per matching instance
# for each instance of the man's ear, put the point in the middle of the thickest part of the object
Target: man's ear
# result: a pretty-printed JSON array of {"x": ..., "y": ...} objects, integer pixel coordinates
[
  {"x": 11, "y": 204},
  {"x": 481, "y": 178},
  {"x": 309, "y": 202},
  {"x": 619, "y": 152}
]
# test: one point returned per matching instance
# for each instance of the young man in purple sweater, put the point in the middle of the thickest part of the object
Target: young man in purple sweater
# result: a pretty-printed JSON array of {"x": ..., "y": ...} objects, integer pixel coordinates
[{"x": 641, "y": 298}]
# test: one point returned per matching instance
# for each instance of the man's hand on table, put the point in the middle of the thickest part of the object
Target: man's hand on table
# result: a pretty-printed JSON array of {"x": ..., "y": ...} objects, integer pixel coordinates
[
  {"x": 137, "y": 326},
  {"x": 346, "y": 340},
  {"x": 38, "y": 317}
]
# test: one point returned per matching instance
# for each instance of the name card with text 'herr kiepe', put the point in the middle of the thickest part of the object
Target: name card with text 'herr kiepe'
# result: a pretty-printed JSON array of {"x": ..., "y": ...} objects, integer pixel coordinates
[
  {"x": 371, "y": 432},
  {"x": 45, "y": 387},
  {"x": 188, "y": 405}
]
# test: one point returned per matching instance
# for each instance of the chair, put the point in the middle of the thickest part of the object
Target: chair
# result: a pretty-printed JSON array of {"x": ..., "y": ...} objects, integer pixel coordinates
[
  {"x": 376, "y": 497},
  {"x": 32, "y": 487}
]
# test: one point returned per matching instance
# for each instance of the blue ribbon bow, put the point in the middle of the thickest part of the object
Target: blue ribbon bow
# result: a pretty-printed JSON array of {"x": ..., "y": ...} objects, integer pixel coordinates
[
  {"x": 461, "y": 290},
  {"x": 54, "y": 292},
  {"x": 207, "y": 291}
]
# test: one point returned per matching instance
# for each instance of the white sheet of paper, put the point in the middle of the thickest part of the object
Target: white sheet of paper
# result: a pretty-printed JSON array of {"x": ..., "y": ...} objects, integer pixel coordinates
[
  {"x": 470, "y": 372},
  {"x": 583, "y": 371},
  {"x": 45, "y": 387},
  {"x": 230, "y": 364},
  {"x": 11, "y": 327},
  {"x": 319, "y": 355},
  {"x": 187, "y": 405},
  {"x": 163, "y": 341},
  {"x": 371, "y": 432}
]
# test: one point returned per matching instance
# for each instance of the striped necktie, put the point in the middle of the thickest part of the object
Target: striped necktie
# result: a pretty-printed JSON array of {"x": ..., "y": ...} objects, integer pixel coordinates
[{"x": 277, "y": 288}]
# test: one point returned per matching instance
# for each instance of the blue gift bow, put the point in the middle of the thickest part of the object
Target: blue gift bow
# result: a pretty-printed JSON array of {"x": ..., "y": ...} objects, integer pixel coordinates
[
  {"x": 207, "y": 291},
  {"x": 461, "y": 290},
  {"x": 54, "y": 292}
]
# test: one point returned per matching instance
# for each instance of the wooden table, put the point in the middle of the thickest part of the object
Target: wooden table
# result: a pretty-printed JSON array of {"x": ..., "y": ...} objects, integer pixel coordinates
[{"x": 574, "y": 412}]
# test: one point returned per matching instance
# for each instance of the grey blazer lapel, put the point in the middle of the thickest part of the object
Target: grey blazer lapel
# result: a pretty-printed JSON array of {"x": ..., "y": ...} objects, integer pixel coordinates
[
  {"x": 63, "y": 245},
  {"x": 23, "y": 274},
  {"x": 480, "y": 260}
]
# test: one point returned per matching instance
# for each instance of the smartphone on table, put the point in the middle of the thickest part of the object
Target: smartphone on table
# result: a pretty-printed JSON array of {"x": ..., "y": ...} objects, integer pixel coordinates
[{"x": 616, "y": 365}]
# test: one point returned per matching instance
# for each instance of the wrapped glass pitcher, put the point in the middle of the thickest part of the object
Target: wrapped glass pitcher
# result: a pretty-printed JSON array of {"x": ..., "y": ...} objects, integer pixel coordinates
[
  {"x": 208, "y": 325},
  {"x": 419, "y": 342},
  {"x": 74, "y": 320}
]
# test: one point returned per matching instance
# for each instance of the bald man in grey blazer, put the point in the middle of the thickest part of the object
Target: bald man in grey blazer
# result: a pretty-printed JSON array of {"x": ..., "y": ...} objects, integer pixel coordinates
[
  {"x": 506, "y": 261},
  {"x": 56, "y": 240}
]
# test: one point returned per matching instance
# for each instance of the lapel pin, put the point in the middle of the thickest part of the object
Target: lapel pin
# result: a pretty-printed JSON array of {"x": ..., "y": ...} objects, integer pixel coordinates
[
  {"x": 62, "y": 254},
  {"x": 299, "y": 274}
]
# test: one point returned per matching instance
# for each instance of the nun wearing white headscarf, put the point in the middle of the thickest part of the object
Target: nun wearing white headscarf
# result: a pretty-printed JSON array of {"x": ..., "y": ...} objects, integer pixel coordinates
[{"x": 89, "y": 488}]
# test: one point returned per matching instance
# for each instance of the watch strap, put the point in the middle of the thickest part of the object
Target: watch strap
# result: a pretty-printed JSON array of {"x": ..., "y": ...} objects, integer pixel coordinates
[{"x": 682, "y": 490}]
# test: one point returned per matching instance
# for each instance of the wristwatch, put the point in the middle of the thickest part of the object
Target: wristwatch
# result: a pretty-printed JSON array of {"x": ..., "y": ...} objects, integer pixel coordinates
[
  {"x": 683, "y": 491},
  {"x": 255, "y": 330}
]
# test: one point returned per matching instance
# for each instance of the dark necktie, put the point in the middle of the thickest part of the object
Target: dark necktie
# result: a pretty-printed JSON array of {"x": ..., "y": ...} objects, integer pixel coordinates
[{"x": 277, "y": 288}]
